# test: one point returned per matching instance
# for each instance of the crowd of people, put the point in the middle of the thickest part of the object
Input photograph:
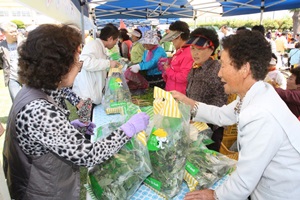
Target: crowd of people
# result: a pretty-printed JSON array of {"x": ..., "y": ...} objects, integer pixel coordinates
[{"x": 51, "y": 66}]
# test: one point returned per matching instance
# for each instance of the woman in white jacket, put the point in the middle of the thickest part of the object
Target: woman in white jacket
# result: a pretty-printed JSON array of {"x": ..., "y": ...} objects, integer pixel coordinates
[{"x": 268, "y": 133}]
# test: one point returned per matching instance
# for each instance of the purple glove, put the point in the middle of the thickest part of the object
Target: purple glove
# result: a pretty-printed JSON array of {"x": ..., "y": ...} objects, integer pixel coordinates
[
  {"x": 135, "y": 124},
  {"x": 87, "y": 128}
]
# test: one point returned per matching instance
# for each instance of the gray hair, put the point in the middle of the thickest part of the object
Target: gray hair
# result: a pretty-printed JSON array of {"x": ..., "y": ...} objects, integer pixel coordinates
[{"x": 6, "y": 25}]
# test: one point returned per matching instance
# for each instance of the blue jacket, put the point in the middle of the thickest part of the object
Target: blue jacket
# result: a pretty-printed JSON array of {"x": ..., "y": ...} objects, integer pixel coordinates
[{"x": 151, "y": 65}]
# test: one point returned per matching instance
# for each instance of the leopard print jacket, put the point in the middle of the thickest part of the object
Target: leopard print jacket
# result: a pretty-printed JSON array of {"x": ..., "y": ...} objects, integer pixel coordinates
[{"x": 42, "y": 127}]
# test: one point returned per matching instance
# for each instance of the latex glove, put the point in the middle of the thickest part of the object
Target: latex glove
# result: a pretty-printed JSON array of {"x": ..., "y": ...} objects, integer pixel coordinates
[
  {"x": 90, "y": 128},
  {"x": 87, "y": 128},
  {"x": 135, "y": 68},
  {"x": 135, "y": 124}
]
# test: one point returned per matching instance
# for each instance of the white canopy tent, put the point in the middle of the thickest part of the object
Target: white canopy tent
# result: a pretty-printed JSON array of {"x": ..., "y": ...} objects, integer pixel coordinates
[{"x": 63, "y": 11}]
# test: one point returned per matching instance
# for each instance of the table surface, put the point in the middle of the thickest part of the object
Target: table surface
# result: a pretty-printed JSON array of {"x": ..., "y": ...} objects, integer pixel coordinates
[{"x": 143, "y": 193}]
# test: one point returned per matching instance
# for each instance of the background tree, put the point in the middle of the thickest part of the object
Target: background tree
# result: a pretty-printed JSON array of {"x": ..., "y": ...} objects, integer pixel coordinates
[{"x": 19, "y": 23}]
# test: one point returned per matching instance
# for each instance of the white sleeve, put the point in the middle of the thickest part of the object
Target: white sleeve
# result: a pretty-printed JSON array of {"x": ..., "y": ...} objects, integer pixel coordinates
[
  {"x": 94, "y": 57},
  {"x": 259, "y": 140},
  {"x": 221, "y": 116}
]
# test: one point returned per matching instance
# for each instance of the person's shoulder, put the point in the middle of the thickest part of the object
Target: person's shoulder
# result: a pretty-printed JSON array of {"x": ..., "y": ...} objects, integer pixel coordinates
[{"x": 214, "y": 63}]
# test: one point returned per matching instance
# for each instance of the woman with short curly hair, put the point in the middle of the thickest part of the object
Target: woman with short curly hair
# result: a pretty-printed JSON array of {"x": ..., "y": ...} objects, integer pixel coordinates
[
  {"x": 43, "y": 149},
  {"x": 268, "y": 138}
]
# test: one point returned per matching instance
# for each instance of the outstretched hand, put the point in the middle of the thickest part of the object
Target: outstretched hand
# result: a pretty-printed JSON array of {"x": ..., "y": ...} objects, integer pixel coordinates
[
  {"x": 200, "y": 195},
  {"x": 182, "y": 98},
  {"x": 135, "y": 124}
]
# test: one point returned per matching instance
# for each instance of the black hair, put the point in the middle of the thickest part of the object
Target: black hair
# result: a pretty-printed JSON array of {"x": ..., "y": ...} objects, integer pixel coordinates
[
  {"x": 208, "y": 33},
  {"x": 138, "y": 30},
  {"x": 109, "y": 30},
  {"x": 182, "y": 27},
  {"x": 296, "y": 72},
  {"x": 251, "y": 47}
]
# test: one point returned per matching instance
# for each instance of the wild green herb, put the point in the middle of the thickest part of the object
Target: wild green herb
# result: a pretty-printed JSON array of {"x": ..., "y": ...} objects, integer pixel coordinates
[
  {"x": 167, "y": 146},
  {"x": 205, "y": 165},
  {"x": 121, "y": 175}
]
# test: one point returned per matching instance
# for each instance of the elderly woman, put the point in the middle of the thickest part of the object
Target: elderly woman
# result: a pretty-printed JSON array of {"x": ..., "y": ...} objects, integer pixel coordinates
[
  {"x": 204, "y": 85},
  {"x": 177, "y": 70},
  {"x": 137, "y": 49},
  {"x": 291, "y": 96},
  {"x": 268, "y": 133},
  {"x": 150, "y": 59},
  {"x": 42, "y": 149}
]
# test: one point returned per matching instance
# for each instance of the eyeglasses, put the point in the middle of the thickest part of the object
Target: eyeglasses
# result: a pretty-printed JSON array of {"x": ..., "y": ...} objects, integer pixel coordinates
[{"x": 79, "y": 64}]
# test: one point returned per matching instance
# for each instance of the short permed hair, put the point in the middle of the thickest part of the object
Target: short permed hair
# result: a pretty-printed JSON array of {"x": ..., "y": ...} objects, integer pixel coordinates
[
  {"x": 259, "y": 28},
  {"x": 47, "y": 55},
  {"x": 182, "y": 27},
  {"x": 252, "y": 47},
  {"x": 208, "y": 33}
]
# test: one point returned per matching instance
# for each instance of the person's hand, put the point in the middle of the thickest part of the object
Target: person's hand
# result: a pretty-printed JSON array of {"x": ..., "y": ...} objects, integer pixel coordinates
[
  {"x": 200, "y": 195},
  {"x": 166, "y": 65},
  {"x": 80, "y": 104},
  {"x": 135, "y": 124},
  {"x": 178, "y": 95},
  {"x": 182, "y": 98},
  {"x": 135, "y": 68},
  {"x": 89, "y": 126},
  {"x": 114, "y": 64}
]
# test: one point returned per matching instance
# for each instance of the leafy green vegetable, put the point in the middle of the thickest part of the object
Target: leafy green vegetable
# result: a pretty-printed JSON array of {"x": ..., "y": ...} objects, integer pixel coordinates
[
  {"x": 205, "y": 165},
  {"x": 121, "y": 175},
  {"x": 168, "y": 158}
]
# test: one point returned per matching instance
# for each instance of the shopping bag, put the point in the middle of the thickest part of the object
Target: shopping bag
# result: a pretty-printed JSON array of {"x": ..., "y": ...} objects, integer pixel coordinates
[
  {"x": 204, "y": 167},
  {"x": 167, "y": 144},
  {"x": 135, "y": 80},
  {"x": 121, "y": 175}
]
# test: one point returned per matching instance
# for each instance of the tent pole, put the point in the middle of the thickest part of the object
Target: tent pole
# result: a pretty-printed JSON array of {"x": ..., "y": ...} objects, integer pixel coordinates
[
  {"x": 82, "y": 25},
  {"x": 261, "y": 17},
  {"x": 262, "y": 9},
  {"x": 82, "y": 20}
]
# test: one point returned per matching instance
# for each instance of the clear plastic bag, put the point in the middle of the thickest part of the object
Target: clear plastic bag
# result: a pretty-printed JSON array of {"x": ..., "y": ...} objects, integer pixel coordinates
[
  {"x": 116, "y": 94},
  {"x": 121, "y": 175},
  {"x": 204, "y": 167},
  {"x": 167, "y": 145}
]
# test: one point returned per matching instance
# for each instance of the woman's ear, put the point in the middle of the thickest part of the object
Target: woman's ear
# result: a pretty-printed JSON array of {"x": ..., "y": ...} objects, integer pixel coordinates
[{"x": 246, "y": 69}]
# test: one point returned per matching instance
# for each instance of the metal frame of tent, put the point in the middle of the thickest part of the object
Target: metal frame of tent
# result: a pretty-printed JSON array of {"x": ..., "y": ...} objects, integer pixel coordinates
[{"x": 145, "y": 9}]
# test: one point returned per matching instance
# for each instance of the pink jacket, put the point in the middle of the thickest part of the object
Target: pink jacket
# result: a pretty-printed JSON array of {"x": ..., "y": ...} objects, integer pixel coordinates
[{"x": 176, "y": 75}]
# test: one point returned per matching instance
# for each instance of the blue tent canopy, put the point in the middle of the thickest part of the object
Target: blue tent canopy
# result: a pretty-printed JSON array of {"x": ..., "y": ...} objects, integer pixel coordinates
[
  {"x": 241, "y": 7},
  {"x": 142, "y": 9},
  {"x": 146, "y": 9}
]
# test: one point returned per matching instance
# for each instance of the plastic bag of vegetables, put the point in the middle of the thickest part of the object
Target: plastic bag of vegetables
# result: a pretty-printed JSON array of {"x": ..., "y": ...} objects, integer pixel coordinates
[
  {"x": 121, "y": 175},
  {"x": 167, "y": 144},
  {"x": 204, "y": 167},
  {"x": 117, "y": 93}
]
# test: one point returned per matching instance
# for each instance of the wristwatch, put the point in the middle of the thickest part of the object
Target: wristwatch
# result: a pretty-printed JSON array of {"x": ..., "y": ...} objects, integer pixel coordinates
[{"x": 194, "y": 110}]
